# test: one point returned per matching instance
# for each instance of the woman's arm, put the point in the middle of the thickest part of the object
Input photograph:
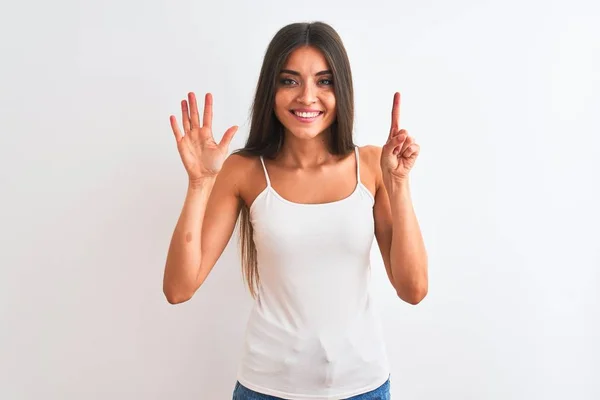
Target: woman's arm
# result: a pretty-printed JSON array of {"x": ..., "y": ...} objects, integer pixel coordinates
[
  {"x": 183, "y": 257},
  {"x": 204, "y": 228},
  {"x": 399, "y": 237}
]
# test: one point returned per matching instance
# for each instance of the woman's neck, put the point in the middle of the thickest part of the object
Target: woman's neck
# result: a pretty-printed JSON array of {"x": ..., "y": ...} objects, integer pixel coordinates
[{"x": 305, "y": 153}]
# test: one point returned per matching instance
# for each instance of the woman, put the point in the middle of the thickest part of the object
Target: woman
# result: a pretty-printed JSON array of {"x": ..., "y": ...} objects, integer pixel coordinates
[{"x": 311, "y": 203}]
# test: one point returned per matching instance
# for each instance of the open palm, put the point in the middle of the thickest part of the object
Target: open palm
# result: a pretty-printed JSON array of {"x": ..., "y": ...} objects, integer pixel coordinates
[{"x": 201, "y": 155}]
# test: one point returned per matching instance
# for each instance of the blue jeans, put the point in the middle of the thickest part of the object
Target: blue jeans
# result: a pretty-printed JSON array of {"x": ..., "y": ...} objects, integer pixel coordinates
[{"x": 243, "y": 393}]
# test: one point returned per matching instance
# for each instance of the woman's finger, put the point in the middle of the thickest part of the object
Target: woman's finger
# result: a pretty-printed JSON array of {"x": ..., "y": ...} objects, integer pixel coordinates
[
  {"x": 194, "y": 116},
  {"x": 185, "y": 116},
  {"x": 395, "y": 114},
  {"x": 208, "y": 111},
  {"x": 416, "y": 149},
  {"x": 175, "y": 127},
  {"x": 227, "y": 136},
  {"x": 411, "y": 151},
  {"x": 397, "y": 141},
  {"x": 409, "y": 140}
]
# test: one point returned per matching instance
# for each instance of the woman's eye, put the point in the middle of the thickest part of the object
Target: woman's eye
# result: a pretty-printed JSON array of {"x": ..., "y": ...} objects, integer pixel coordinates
[{"x": 288, "y": 82}]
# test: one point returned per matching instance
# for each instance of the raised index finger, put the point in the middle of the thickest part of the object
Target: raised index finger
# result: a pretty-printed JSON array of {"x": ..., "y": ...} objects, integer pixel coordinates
[{"x": 395, "y": 114}]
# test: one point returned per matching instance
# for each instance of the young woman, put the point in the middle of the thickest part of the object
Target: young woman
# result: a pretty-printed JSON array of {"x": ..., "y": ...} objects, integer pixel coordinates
[{"x": 311, "y": 202}]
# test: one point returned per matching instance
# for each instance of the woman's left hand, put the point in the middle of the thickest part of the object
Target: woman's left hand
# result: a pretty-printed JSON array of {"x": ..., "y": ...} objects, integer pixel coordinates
[{"x": 400, "y": 152}]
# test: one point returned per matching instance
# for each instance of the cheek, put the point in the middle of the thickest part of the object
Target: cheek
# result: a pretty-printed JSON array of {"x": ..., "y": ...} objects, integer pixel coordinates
[
  {"x": 280, "y": 105},
  {"x": 278, "y": 100},
  {"x": 330, "y": 104},
  {"x": 283, "y": 100},
  {"x": 329, "y": 101}
]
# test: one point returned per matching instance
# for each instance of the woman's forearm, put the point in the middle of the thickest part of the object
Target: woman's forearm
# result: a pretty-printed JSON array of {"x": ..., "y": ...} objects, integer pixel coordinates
[
  {"x": 184, "y": 255},
  {"x": 408, "y": 256}
]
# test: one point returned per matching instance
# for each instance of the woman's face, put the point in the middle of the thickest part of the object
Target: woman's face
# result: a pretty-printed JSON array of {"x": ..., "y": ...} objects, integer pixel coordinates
[{"x": 304, "y": 98}]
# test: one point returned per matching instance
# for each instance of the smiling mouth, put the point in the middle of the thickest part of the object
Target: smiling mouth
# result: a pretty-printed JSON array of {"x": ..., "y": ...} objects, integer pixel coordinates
[{"x": 306, "y": 116}]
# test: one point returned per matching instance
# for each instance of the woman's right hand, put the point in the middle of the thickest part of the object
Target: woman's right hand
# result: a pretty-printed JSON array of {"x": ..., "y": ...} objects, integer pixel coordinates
[{"x": 202, "y": 157}]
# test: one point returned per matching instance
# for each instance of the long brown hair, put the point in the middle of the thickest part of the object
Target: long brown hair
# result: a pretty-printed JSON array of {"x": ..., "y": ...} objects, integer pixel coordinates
[{"x": 267, "y": 133}]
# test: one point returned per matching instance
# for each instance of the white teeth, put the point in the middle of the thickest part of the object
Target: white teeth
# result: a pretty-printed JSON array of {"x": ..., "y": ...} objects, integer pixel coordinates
[{"x": 307, "y": 115}]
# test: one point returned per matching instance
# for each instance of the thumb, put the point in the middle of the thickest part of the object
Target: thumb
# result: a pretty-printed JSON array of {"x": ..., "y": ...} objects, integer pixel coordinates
[{"x": 227, "y": 136}]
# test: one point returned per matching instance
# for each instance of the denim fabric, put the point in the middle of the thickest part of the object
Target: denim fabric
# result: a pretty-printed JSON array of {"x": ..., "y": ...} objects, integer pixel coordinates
[{"x": 243, "y": 393}]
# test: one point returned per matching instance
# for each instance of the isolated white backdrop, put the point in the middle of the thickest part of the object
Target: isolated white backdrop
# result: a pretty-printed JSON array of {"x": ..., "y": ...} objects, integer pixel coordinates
[{"x": 503, "y": 96}]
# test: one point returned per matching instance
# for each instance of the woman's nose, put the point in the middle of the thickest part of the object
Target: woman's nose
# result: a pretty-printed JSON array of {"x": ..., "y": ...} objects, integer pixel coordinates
[{"x": 307, "y": 95}]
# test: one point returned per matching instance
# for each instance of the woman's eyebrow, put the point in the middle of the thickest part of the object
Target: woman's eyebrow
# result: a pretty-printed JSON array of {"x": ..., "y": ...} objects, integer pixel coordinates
[{"x": 289, "y": 71}]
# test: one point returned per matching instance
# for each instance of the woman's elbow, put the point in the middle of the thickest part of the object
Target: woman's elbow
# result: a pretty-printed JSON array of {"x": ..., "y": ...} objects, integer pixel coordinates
[
  {"x": 413, "y": 296},
  {"x": 176, "y": 296},
  {"x": 176, "y": 299}
]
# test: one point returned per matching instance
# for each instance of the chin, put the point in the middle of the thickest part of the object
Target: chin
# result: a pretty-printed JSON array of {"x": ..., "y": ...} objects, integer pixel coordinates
[{"x": 306, "y": 133}]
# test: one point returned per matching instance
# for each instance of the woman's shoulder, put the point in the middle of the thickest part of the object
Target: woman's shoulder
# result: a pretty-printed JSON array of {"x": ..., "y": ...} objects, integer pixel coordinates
[
  {"x": 240, "y": 159},
  {"x": 240, "y": 165},
  {"x": 370, "y": 156},
  {"x": 369, "y": 151},
  {"x": 370, "y": 167},
  {"x": 246, "y": 173}
]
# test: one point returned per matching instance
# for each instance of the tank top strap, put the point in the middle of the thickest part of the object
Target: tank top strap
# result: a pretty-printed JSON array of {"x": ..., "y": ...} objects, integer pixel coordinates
[
  {"x": 262, "y": 161},
  {"x": 357, "y": 163}
]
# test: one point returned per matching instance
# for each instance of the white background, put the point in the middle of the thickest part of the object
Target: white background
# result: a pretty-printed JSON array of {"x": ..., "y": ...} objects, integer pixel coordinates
[{"x": 503, "y": 96}]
